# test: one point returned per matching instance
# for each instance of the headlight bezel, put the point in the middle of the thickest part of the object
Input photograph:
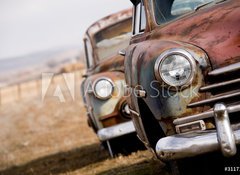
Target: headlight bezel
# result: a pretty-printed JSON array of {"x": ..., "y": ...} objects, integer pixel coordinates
[
  {"x": 95, "y": 91},
  {"x": 175, "y": 51}
]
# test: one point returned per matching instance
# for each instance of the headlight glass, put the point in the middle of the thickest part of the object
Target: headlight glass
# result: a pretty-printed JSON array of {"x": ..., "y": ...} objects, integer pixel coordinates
[
  {"x": 175, "y": 67},
  {"x": 103, "y": 88},
  {"x": 175, "y": 70}
]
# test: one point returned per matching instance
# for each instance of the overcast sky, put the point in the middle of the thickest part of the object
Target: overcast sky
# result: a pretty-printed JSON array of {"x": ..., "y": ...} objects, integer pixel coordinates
[{"x": 28, "y": 26}]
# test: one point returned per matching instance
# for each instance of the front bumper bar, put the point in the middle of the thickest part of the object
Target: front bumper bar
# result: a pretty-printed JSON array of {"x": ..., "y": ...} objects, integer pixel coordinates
[
  {"x": 224, "y": 138},
  {"x": 116, "y": 131}
]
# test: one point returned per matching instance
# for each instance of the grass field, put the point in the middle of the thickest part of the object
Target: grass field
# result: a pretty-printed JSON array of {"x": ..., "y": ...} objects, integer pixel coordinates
[{"x": 53, "y": 138}]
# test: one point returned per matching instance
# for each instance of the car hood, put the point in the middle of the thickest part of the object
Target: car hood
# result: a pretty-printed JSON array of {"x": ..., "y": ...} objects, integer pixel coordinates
[
  {"x": 215, "y": 29},
  {"x": 115, "y": 63}
]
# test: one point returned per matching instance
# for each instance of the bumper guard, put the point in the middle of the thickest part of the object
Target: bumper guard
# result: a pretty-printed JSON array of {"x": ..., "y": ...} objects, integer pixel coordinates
[
  {"x": 116, "y": 131},
  {"x": 224, "y": 138}
]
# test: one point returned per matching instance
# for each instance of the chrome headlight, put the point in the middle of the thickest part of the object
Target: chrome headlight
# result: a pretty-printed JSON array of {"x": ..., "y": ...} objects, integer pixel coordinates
[
  {"x": 175, "y": 67},
  {"x": 103, "y": 88}
]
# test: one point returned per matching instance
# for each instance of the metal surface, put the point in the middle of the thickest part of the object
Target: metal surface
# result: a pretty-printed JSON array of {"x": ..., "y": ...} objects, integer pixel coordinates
[
  {"x": 140, "y": 93},
  {"x": 198, "y": 125},
  {"x": 200, "y": 33},
  {"x": 190, "y": 144},
  {"x": 204, "y": 115},
  {"x": 219, "y": 85},
  {"x": 94, "y": 87},
  {"x": 106, "y": 113},
  {"x": 134, "y": 112},
  {"x": 227, "y": 69},
  {"x": 116, "y": 131},
  {"x": 174, "y": 51},
  {"x": 224, "y": 131},
  {"x": 214, "y": 99}
]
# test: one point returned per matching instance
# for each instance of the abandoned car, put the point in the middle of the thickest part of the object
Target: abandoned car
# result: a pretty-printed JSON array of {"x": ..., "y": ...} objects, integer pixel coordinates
[
  {"x": 182, "y": 69},
  {"x": 103, "y": 87}
]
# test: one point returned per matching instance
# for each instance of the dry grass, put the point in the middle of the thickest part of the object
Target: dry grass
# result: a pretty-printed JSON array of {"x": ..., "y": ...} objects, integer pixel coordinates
[{"x": 52, "y": 138}]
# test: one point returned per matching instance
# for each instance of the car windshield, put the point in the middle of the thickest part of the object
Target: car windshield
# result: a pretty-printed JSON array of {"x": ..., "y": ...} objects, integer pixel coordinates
[
  {"x": 113, "y": 39},
  {"x": 167, "y": 10}
]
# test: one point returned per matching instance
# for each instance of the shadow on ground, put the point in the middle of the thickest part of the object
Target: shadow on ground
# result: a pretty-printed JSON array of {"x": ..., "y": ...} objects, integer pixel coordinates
[
  {"x": 60, "y": 163},
  {"x": 151, "y": 167}
]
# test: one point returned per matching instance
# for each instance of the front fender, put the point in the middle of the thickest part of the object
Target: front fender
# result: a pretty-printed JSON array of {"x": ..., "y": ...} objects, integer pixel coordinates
[
  {"x": 98, "y": 108},
  {"x": 165, "y": 105}
]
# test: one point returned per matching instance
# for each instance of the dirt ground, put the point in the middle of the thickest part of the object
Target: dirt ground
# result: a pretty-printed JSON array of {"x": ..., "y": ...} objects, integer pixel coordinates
[{"x": 52, "y": 138}]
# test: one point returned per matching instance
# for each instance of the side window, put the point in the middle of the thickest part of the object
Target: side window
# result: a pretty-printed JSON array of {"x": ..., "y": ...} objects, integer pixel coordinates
[
  {"x": 139, "y": 22},
  {"x": 88, "y": 52}
]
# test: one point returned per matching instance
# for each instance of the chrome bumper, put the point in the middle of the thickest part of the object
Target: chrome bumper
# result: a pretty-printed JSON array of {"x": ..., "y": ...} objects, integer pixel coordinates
[
  {"x": 224, "y": 138},
  {"x": 116, "y": 131}
]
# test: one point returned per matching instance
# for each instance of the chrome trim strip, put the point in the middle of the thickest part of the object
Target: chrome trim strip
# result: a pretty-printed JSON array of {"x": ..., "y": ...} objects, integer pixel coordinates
[
  {"x": 225, "y": 135},
  {"x": 204, "y": 115},
  {"x": 116, "y": 131},
  {"x": 134, "y": 112},
  {"x": 190, "y": 144},
  {"x": 214, "y": 99},
  {"x": 141, "y": 93},
  {"x": 227, "y": 69},
  {"x": 201, "y": 123},
  {"x": 217, "y": 85}
]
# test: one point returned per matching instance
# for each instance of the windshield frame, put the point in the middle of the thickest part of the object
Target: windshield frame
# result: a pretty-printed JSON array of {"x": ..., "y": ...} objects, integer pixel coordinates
[
  {"x": 138, "y": 11},
  {"x": 89, "y": 55},
  {"x": 153, "y": 3},
  {"x": 95, "y": 42}
]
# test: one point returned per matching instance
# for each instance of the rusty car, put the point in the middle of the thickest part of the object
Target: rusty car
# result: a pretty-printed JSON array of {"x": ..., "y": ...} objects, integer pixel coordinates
[
  {"x": 103, "y": 87},
  {"x": 182, "y": 70}
]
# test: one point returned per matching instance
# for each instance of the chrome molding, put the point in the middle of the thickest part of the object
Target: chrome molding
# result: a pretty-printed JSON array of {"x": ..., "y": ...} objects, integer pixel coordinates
[
  {"x": 204, "y": 115},
  {"x": 198, "y": 125},
  {"x": 217, "y": 85},
  {"x": 190, "y": 144},
  {"x": 141, "y": 93},
  {"x": 116, "y": 131},
  {"x": 214, "y": 99},
  {"x": 134, "y": 112},
  {"x": 227, "y": 69},
  {"x": 224, "y": 131}
]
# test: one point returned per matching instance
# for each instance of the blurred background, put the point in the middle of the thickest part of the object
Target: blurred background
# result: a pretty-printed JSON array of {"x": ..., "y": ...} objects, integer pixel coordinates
[
  {"x": 42, "y": 35},
  {"x": 43, "y": 136}
]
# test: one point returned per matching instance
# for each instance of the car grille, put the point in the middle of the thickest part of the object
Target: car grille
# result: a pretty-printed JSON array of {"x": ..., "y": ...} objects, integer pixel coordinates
[{"x": 223, "y": 85}]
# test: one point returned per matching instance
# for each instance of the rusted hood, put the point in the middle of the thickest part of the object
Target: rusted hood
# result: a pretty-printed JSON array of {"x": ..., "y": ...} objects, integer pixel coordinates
[
  {"x": 116, "y": 63},
  {"x": 215, "y": 29}
]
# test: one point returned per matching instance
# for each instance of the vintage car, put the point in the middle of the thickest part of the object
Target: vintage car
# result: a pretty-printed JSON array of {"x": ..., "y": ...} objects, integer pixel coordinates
[
  {"x": 103, "y": 87},
  {"x": 182, "y": 69}
]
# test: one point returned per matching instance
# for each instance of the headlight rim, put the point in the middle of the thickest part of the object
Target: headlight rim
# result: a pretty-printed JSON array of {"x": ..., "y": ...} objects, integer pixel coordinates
[
  {"x": 175, "y": 51},
  {"x": 94, "y": 88}
]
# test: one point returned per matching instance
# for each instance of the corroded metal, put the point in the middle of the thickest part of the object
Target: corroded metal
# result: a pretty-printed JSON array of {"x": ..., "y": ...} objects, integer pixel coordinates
[
  {"x": 215, "y": 99},
  {"x": 190, "y": 144},
  {"x": 225, "y": 134},
  {"x": 115, "y": 131},
  {"x": 216, "y": 52},
  {"x": 204, "y": 115},
  {"x": 226, "y": 69},
  {"x": 220, "y": 85},
  {"x": 105, "y": 113}
]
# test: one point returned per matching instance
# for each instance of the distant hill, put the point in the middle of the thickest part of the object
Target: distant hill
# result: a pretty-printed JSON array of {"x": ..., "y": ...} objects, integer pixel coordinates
[{"x": 25, "y": 68}]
